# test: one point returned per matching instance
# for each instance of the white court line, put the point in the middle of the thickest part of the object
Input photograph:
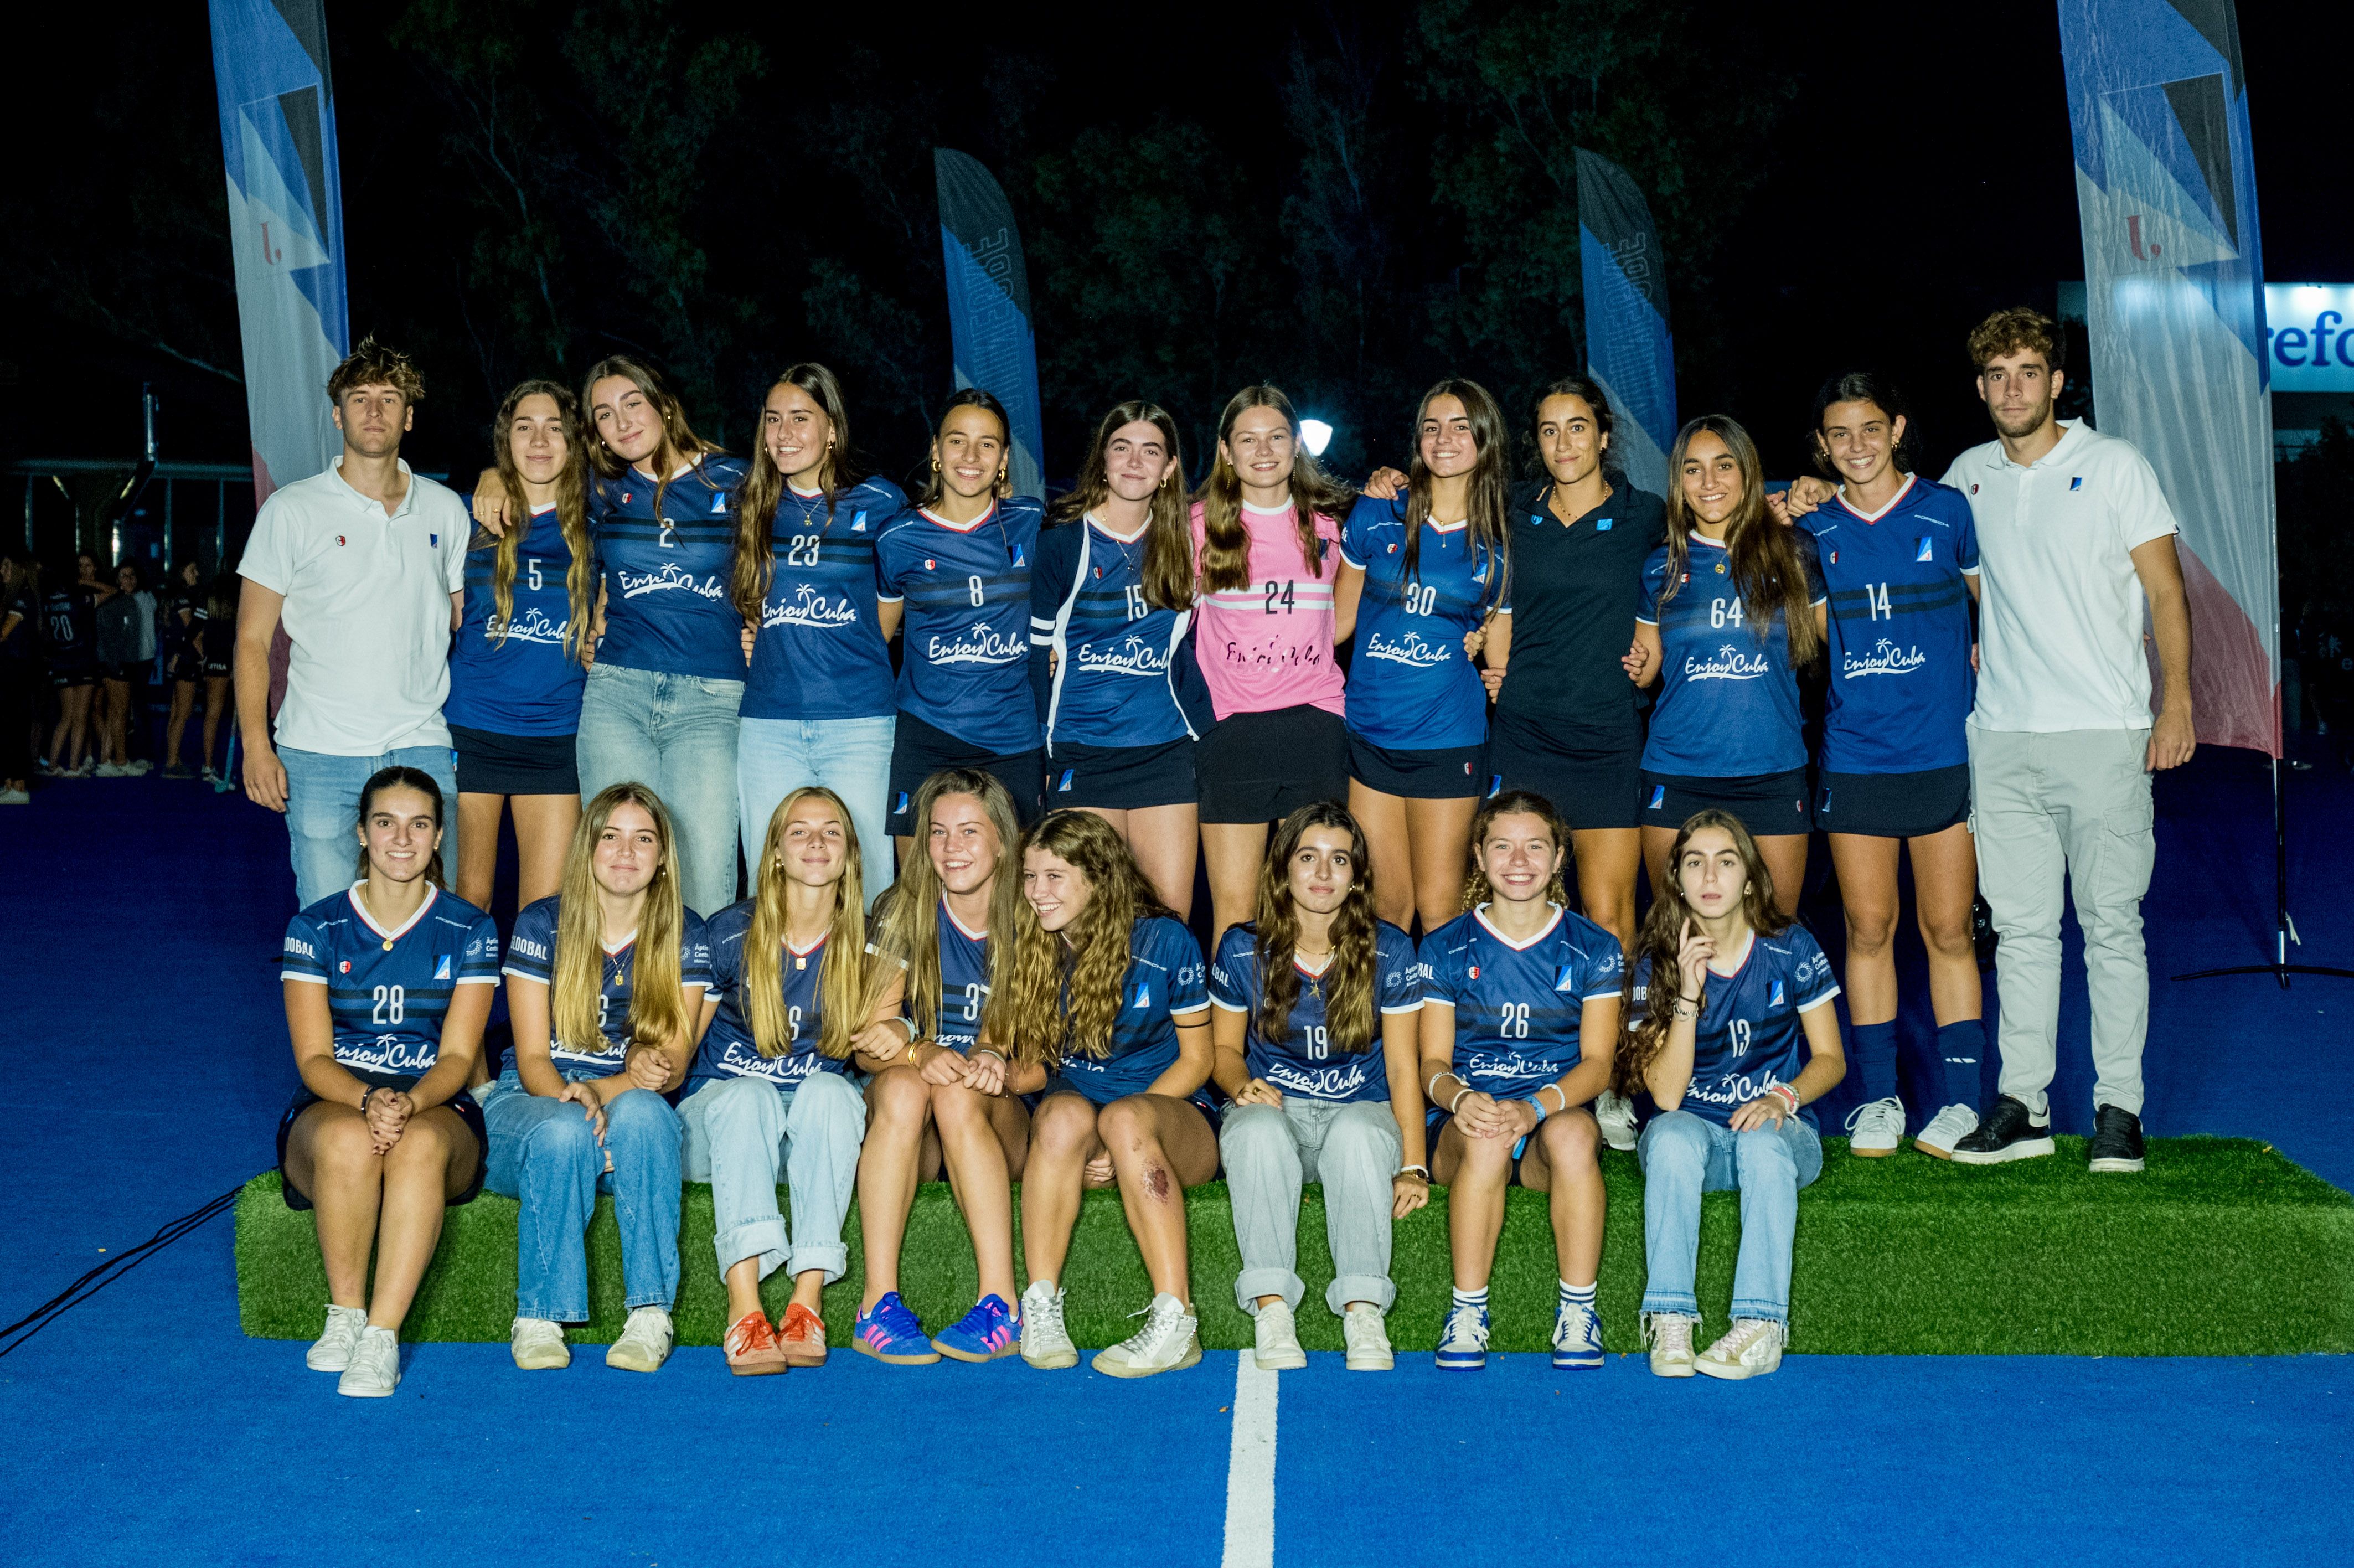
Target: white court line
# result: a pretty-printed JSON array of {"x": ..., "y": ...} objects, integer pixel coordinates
[{"x": 1250, "y": 1468}]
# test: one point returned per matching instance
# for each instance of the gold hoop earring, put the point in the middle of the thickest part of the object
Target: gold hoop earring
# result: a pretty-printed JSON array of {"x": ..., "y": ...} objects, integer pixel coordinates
[{"x": 936, "y": 465}]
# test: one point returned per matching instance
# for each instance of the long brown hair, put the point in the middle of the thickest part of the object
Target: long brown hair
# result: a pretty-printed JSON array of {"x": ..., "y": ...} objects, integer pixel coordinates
[
  {"x": 764, "y": 486},
  {"x": 908, "y": 917},
  {"x": 1064, "y": 993},
  {"x": 657, "y": 1006},
  {"x": 1513, "y": 803},
  {"x": 571, "y": 515},
  {"x": 1661, "y": 940},
  {"x": 400, "y": 777},
  {"x": 1761, "y": 555},
  {"x": 1489, "y": 492},
  {"x": 847, "y": 984},
  {"x": 1226, "y": 542},
  {"x": 1348, "y": 982},
  {"x": 1169, "y": 534},
  {"x": 679, "y": 442}
]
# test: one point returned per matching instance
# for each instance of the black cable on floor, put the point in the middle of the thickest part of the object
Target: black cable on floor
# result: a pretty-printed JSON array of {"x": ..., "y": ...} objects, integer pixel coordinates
[{"x": 107, "y": 1272}]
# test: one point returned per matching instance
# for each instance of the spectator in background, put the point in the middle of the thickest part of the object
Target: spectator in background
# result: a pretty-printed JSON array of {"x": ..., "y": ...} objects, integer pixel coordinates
[
  {"x": 215, "y": 637},
  {"x": 182, "y": 660},
  {"x": 126, "y": 644},
  {"x": 20, "y": 618},
  {"x": 69, "y": 624}
]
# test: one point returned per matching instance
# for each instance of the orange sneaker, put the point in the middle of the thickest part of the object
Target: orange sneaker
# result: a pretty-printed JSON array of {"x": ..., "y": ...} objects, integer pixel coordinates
[
  {"x": 802, "y": 1336},
  {"x": 752, "y": 1348}
]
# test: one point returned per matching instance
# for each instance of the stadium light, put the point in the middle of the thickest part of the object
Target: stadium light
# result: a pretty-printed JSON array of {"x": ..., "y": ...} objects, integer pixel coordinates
[{"x": 1315, "y": 435}]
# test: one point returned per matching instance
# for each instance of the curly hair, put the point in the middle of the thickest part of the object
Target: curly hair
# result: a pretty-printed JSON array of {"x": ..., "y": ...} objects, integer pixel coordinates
[
  {"x": 1063, "y": 995},
  {"x": 1348, "y": 982},
  {"x": 2008, "y": 332},
  {"x": 374, "y": 364},
  {"x": 1512, "y": 803}
]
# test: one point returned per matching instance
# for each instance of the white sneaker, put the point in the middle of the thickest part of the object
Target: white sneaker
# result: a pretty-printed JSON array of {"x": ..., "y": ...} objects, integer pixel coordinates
[
  {"x": 375, "y": 1370},
  {"x": 1615, "y": 1114},
  {"x": 333, "y": 1349},
  {"x": 1876, "y": 1127},
  {"x": 111, "y": 770},
  {"x": 1670, "y": 1334},
  {"x": 1946, "y": 1128},
  {"x": 645, "y": 1341},
  {"x": 15, "y": 797},
  {"x": 1577, "y": 1339},
  {"x": 1165, "y": 1343},
  {"x": 138, "y": 767},
  {"x": 1277, "y": 1338},
  {"x": 1752, "y": 1348},
  {"x": 1045, "y": 1343},
  {"x": 1463, "y": 1342},
  {"x": 1368, "y": 1339},
  {"x": 538, "y": 1345}
]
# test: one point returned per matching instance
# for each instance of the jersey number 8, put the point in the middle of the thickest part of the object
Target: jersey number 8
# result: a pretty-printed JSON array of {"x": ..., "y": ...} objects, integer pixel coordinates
[
  {"x": 391, "y": 1005},
  {"x": 974, "y": 584}
]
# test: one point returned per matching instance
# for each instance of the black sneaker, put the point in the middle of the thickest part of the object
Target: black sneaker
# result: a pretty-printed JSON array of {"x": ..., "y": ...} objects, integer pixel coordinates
[
  {"x": 2116, "y": 1140},
  {"x": 2008, "y": 1133}
]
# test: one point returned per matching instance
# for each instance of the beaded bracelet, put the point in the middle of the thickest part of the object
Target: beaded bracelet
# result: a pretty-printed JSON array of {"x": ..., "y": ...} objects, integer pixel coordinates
[{"x": 1788, "y": 1095}]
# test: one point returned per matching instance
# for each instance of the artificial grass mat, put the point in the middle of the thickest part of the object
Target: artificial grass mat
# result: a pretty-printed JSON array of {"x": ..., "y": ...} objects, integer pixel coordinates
[{"x": 2222, "y": 1247}]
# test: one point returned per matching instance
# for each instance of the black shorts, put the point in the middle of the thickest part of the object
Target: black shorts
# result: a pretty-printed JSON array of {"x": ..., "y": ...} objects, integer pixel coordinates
[
  {"x": 1261, "y": 767},
  {"x": 184, "y": 665},
  {"x": 469, "y": 1109},
  {"x": 1893, "y": 805},
  {"x": 493, "y": 764},
  {"x": 918, "y": 750},
  {"x": 126, "y": 673},
  {"x": 1449, "y": 773},
  {"x": 71, "y": 678},
  {"x": 216, "y": 669},
  {"x": 1589, "y": 789},
  {"x": 1120, "y": 777},
  {"x": 1769, "y": 805}
]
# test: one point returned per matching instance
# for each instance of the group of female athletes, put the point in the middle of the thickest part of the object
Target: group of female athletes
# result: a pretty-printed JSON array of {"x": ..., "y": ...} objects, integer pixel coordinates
[{"x": 1083, "y": 692}]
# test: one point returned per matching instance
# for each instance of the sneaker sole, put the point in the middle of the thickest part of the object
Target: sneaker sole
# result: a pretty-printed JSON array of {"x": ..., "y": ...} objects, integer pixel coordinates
[
  {"x": 1626, "y": 1148},
  {"x": 368, "y": 1392},
  {"x": 1671, "y": 1369},
  {"x": 1122, "y": 1368},
  {"x": 1370, "y": 1360},
  {"x": 633, "y": 1363},
  {"x": 1931, "y": 1150},
  {"x": 758, "y": 1368},
  {"x": 978, "y": 1357},
  {"x": 1459, "y": 1362},
  {"x": 1732, "y": 1372},
  {"x": 2112, "y": 1166},
  {"x": 2025, "y": 1148},
  {"x": 547, "y": 1364},
  {"x": 322, "y": 1366},
  {"x": 1577, "y": 1361},
  {"x": 805, "y": 1358},
  {"x": 1052, "y": 1361},
  {"x": 896, "y": 1358},
  {"x": 1290, "y": 1360}
]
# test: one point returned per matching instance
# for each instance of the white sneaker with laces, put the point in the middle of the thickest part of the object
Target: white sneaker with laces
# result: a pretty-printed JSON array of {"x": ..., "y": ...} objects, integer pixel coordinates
[
  {"x": 1670, "y": 1334},
  {"x": 113, "y": 770},
  {"x": 645, "y": 1341},
  {"x": 1615, "y": 1114},
  {"x": 1946, "y": 1128},
  {"x": 15, "y": 797},
  {"x": 1165, "y": 1343},
  {"x": 375, "y": 1370},
  {"x": 333, "y": 1349},
  {"x": 1368, "y": 1339},
  {"x": 537, "y": 1344},
  {"x": 1751, "y": 1347},
  {"x": 1045, "y": 1343},
  {"x": 138, "y": 767},
  {"x": 1577, "y": 1339},
  {"x": 1876, "y": 1127},
  {"x": 1463, "y": 1342},
  {"x": 1277, "y": 1339}
]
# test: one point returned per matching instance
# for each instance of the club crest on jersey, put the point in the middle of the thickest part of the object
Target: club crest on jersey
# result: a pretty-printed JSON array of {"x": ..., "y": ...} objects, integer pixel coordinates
[
  {"x": 1927, "y": 550},
  {"x": 1474, "y": 972},
  {"x": 858, "y": 524},
  {"x": 1064, "y": 787},
  {"x": 1019, "y": 559},
  {"x": 1658, "y": 796},
  {"x": 1566, "y": 979},
  {"x": 441, "y": 970},
  {"x": 1974, "y": 490},
  {"x": 1774, "y": 997},
  {"x": 1601, "y": 526},
  {"x": 1143, "y": 995},
  {"x": 930, "y": 564},
  {"x": 339, "y": 538},
  {"x": 343, "y": 968},
  {"x": 719, "y": 504},
  {"x": 1835, "y": 557},
  {"x": 434, "y": 541}
]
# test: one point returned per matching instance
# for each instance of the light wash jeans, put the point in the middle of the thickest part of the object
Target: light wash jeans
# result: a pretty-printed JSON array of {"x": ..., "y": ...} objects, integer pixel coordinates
[
  {"x": 742, "y": 1132},
  {"x": 850, "y": 757},
  {"x": 2073, "y": 805},
  {"x": 675, "y": 734},
  {"x": 543, "y": 1152},
  {"x": 323, "y": 811},
  {"x": 1685, "y": 1155},
  {"x": 1354, "y": 1151}
]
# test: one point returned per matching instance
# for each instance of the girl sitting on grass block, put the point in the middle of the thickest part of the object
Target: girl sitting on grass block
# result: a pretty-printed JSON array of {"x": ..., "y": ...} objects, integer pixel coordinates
[
  {"x": 794, "y": 996},
  {"x": 387, "y": 986},
  {"x": 605, "y": 987},
  {"x": 1107, "y": 1016},
  {"x": 1520, "y": 1021},
  {"x": 1316, "y": 1005},
  {"x": 946, "y": 1102},
  {"x": 1726, "y": 991}
]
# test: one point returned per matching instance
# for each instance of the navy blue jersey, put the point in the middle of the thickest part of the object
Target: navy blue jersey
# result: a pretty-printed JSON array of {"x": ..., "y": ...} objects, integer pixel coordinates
[
  {"x": 1517, "y": 1007},
  {"x": 727, "y": 1050},
  {"x": 525, "y": 683},
  {"x": 964, "y": 652},
  {"x": 1728, "y": 700},
  {"x": 1163, "y": 983},
  {"x": 531, "y": 956},
  {"x": 1303, "y": 1061},
  {"x": 180, "y": 635},
  {"x": 70, "y": 628},
  {"x": 819, "y": 654},
  {"x": 964, "y": 984},
  {"x": 389, "y": 991},
  {"x": 1411, "y": 687},
  {"x": 1748, "y": 1035},
  {"x": 18, "y": 645},
  {"x": 1102, "y": 658},
  {"x": 1899, "y": 630},
  {"x": 668, "y": 580}
]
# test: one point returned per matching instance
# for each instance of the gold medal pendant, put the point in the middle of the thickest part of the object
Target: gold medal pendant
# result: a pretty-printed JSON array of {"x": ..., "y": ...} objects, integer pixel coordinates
[{"x": 388, "y": 944}]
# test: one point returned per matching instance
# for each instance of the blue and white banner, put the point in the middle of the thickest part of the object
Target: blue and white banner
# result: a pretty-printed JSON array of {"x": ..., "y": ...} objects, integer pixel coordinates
[
  {"x": 1628, "y": 348},
  {"x": 988, "y": 305},
  {"x": 286, "y": 227},
  {"x": 2166, "y": 192}
]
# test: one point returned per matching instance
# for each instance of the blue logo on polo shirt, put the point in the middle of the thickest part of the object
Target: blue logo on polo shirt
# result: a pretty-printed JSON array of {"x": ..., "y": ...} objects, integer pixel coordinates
[
  {"x": 1601, "y": 526},
  {"x": 2077, "y": 483}
]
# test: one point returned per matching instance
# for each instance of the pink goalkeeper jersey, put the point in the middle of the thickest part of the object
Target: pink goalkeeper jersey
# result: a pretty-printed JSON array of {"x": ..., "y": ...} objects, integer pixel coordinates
[{"x": 1269, "y": 644}]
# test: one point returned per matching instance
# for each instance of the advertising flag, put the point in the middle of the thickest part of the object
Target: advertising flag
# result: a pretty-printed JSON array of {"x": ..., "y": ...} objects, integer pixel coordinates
[
  {"x": 989, "y": 304},
  {"x": 1628, "y": 348}
]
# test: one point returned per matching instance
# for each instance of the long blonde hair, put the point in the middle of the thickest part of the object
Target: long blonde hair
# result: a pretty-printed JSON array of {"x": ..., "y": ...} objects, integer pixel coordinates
[
  {"x": 908, "y": 918},
  {"x": 571, "y": 516},
  {"x": 657, "y": 1006},
  {"x": 1088, "y": 960},
  {"x": 846, "y": 986},
  {"x": 1661, "y": 941},
  {"x": 1226, "y": 542}
]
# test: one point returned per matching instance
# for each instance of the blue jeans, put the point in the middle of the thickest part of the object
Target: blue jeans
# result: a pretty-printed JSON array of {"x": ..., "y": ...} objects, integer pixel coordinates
[
  {"x": 742, "y": 1132},
  {"x": 675, "y": 734},
  {"x": 1685, "y": 1155},
  {"x": 323, "y": 811},
  {"x": 850, "y": 757},
  {"x": 543, "y": 1152}
]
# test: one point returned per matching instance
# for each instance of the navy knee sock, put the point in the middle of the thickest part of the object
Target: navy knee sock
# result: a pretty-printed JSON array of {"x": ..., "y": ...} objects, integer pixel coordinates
[
  {"x": 1963, "y": 1045},
  {"x": 1875, "y": 1057}
]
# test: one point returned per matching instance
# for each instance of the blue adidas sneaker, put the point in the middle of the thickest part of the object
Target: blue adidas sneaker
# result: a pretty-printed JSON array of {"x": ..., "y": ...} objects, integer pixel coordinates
[
  {"x": 988, "y": 1331},
  {"x": 1577, "y": 1339},
  {"x": 1463, "y": 1346},
  {"x": 890, "y": 1333}
]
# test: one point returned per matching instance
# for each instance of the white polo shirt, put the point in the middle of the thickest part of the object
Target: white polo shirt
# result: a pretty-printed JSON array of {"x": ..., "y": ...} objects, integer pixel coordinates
[
  {"x": 2062, "y": 610},
  {"x": 367, "y": 609}
]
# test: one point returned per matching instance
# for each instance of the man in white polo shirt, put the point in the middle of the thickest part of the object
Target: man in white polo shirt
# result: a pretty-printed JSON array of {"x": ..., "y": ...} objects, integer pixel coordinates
[
  {"x": 365, "y": 565},
  {"x": 2075, "y": 550}
]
